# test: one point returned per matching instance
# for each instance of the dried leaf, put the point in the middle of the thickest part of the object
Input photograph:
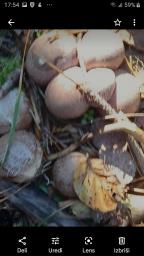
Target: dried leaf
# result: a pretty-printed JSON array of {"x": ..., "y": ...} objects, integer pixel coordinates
[{"x": 96, "y": 185}]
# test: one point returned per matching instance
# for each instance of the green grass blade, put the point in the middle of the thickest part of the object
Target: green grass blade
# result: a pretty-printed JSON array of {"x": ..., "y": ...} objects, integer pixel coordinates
[{"x": 13, "y": 127}]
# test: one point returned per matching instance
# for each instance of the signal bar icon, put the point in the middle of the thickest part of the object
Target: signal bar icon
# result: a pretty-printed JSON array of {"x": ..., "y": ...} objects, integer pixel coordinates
[{"x": 120, "y": 5}]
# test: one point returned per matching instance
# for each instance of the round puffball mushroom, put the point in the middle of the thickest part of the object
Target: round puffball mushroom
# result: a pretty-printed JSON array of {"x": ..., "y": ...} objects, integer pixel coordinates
[
  {"x": 102, "y": 81},
  {"x": 24, "y": 158},
  {"x": 63, "y": 172},
  {"x": 61, "y": 52},
  {"x": 7, "y": 105},
  {"x": 102, "y": 48},
  {"x": 126, "y": 96},
  {"x": 62, "y": 98}
]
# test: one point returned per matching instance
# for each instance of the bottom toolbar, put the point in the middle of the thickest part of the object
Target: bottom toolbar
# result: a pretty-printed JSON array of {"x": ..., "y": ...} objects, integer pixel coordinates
[{"x": 75, "y": 241}]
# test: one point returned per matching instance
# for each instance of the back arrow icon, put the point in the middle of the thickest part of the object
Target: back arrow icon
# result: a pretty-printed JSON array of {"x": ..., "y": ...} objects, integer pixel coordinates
[{"x": 10, "y": 22}]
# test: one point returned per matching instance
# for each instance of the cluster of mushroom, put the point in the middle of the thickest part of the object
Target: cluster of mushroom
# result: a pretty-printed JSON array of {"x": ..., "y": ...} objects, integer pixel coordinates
[
  {"x": 77, "y": 175},
  {"x": 25, "y": 154},
  {"x": 53, "y": 62},
  {"x": 103, "y": 54}
]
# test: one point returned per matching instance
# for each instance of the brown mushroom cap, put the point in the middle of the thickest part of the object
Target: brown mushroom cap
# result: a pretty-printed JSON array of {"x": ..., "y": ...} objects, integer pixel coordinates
[
  {"x": 102, "y": 81},
  {"x": 62, "y": 98},
  {"x": 121, "y": 164},
  {"x": 63, "y": 172},
  {"x": 24, "y": 158},
  {"x": 113, "y": 150},
  {"x": 61, "y": 52},
  {"x": 110, "y": 141},
  {"x": 102, "y": 48},
  {"x": 7, "y": 105},
  {"x": 126, "y": 96}
]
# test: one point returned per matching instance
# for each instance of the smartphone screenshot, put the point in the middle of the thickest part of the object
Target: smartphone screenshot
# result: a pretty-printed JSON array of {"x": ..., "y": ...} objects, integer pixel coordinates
[{"x": 71, "y": 128}]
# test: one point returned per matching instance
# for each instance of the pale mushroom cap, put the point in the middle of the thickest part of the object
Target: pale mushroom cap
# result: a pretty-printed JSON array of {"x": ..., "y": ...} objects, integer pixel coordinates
[
  {"x": 61, "y": 52},
  {"x": 102, "y": 48},
  {"x": 126, "y": 96},
  {"x": 62, "y": 98},
  {"x": 7, "y": 105},
  {"x": 63, "y": 172},
  {"x": 101, "y": 81},
  {"x": 24, "y": 158}
]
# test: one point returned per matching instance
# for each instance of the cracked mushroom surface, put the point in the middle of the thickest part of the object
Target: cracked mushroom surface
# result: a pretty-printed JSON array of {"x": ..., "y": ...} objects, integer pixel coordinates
[
  {"x": 7, "y": 105},
  {"x": 24, "y": 158},
  {"x": 62, "y": 98},
  {"x": 61, "y": 52},
  {"x": 102, "y": 48}
]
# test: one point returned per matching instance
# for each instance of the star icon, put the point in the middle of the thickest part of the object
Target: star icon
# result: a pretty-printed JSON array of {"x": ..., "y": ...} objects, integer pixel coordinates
[{"x": 117, "y": 22}]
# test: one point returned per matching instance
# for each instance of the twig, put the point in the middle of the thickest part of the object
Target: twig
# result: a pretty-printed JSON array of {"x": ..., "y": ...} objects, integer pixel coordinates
[
  {"x": 71, "y": 148},
  {"x": 34, "y": 113},
  {"x": 129, "y": 115},
  {"x": 137, "y": 191},
  {"x": 137, "y": 180}
]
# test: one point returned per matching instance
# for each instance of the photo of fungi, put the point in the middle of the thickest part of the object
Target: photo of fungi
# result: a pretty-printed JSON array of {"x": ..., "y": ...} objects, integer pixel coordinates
[{"x": 71, "y": 127}]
